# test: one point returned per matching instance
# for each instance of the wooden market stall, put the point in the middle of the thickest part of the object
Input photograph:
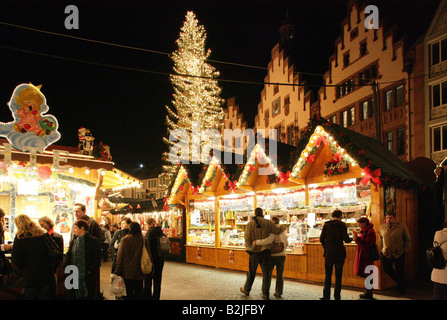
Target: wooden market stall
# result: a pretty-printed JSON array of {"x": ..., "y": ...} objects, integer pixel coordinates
[
  {"x": 344, "y": 170},
  {"x": 332, "y": 168}
]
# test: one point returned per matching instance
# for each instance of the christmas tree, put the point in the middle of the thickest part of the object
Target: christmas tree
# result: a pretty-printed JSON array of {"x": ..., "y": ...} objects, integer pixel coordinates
[{"x": 197, "y": 102}]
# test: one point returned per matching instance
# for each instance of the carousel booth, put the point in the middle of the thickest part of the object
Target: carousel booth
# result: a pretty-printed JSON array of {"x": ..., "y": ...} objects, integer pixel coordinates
[
  {"x": 332, "y": 168},
  {"x": 38, "y": 178}
]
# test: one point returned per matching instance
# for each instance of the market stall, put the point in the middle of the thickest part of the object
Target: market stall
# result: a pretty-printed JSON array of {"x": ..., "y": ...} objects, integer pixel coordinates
[
  {"x": 139, "y": 210},
  {"x": 344, "y": 170},
  {"x": 332, "y": 168}
]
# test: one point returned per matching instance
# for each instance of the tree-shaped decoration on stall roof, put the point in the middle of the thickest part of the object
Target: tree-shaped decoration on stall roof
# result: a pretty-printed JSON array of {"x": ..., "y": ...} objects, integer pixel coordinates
[{"x": 197, "y": 102}]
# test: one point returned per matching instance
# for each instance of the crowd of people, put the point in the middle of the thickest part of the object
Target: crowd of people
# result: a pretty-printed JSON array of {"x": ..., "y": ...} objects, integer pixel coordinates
[
  {"x": 38, "y": 251},
  {"x": 394, "y": 241}
]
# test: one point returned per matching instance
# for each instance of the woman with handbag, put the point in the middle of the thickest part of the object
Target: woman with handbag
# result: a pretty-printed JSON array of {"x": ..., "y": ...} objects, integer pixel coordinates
[
  {"x": 129, "y": 261},
  {"x": 5, "y": 263},
  {"x": 30, "y": 254},
  {"x": 366, "y": 240}
]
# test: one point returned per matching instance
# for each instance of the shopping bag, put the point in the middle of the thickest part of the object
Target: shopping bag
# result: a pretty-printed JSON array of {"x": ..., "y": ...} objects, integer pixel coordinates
[{"x": 118, "y": 287}]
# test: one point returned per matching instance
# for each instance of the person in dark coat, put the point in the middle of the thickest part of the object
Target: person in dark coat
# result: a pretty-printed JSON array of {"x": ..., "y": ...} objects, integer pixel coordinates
[
  {"x": 48, "y": 224},
  {"x": 3, "y": 247},
  {"x": 30, "y": 254},
  {"x": 332, "y": 236},
  {"x": 365, "y": 239},
  {"x": 128, "y": 261},
  {"x": 79, "y": 211},
  {"x": 119, "y": 234},
  {"x": 84, "y": 252},
  {"x": 153, "y": 280}
]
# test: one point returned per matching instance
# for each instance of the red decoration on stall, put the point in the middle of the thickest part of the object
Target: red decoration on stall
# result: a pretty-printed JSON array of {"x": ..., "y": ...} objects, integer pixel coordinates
[
  {"x": 337, "y": 157},
  {"x": 284, "y": 177},
  {"x": 251, "y": 168},
  {"x": 321, "y": 139},
  {"x": 375, "y": 175},
  {"x": 310, "y": 158},
  {"x": 44, "y": 172},
  {"x": 195, "y": 190},
  {"x": 231, "y": 185},
  {"x": 208, "y": 183}
]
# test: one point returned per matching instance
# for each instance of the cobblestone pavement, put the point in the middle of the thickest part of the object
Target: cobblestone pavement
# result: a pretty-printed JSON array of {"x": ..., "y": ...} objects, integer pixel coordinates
[{"x": 183, "y": 281}]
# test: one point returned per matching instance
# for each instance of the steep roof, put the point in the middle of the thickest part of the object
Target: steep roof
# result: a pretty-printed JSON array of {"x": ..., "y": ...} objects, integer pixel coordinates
[{"x": 366, "y": 151}]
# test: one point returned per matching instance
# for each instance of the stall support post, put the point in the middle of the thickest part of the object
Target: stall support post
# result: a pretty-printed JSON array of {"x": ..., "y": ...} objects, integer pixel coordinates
[{"x": 217, "y": 223}]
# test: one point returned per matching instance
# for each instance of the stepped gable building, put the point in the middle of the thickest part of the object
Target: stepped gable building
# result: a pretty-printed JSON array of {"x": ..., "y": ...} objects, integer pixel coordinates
[
  {"x": 374, "y": 83},
  {"x": 435, "y": 86}
]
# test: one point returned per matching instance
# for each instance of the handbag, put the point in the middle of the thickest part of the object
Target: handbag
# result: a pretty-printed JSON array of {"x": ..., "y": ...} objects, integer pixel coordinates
[
  {"x": 435, "y": 257},
  {"x": 146, "y": 263},
  {"x": 53, "y": 249},
  {"x": 373, "y": 253},
  {"x": 5, "y": 266},
  {"x": 277, "y": 247}
]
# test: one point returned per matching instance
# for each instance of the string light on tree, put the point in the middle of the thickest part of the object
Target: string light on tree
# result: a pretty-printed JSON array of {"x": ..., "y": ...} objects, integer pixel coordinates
[{"x": 196, "y": 97}]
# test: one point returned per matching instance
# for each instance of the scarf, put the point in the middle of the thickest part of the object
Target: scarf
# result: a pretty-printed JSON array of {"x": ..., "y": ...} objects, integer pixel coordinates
[{"x": 79, "y": 262}]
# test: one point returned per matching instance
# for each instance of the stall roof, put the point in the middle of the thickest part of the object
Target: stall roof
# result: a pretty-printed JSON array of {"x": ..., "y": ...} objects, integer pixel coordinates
[
  {"x": 115, "y": 178},
  {"x": 366, "y": 151},
  {"x": 137, "y": 205},
  {"x": 74, "y": 157}
]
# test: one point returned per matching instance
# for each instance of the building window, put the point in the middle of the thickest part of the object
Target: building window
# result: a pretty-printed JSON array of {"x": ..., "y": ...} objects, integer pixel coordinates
[
  {"x": 345, "y": 118},
  {"x": 278, "y": 133},
  {"x": 346, "y": 60},
  {"x": 388, "y": 100},
  {"x": 399, "y": 95},
  {"x": 290, "y": 134},
  {"x": 401, "y": 141},
  {"x": 364, "y": 110},
  {"x": 438, "y": 51},
  {"x": 334, "y": 119},
  {"x": 439, "y": 138},
  {"x": 275, "y": 89},
  {"x": 363, "y": 48},
  {"x": 438, "y": 94},
  {"x": 345, "y": 88},
  {"x": 389, "y": 141},
  {"x": 351, "y": 116}
]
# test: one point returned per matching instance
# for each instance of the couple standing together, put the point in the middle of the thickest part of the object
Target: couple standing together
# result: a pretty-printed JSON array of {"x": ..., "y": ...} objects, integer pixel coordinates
[{"x": 260, "y": 234}]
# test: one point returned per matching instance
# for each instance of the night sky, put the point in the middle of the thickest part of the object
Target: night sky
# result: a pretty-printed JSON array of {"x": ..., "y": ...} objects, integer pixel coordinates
[{"x": 125, "y": 108}]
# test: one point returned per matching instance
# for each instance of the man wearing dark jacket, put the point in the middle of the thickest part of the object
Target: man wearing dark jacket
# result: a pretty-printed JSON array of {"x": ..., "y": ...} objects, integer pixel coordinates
[
  {"x": 153, "y": 280},
  {"x": 332, "y": 236},
  {"x": 84, "y": 252}
]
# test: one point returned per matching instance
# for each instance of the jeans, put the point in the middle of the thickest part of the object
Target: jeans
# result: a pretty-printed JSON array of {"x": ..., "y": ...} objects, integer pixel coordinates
[
  {"x": 153, "y": 281},
  {"x": 439, "y": 291},
  {"x": 397, "y": 273},
  {"x": 329, "y": 265},
  {"x": 262, "y": 258},
  {"x": 134, "y": 289},
  {"x": 278, "y": 262},
  {"x": 39, "y": 293}
]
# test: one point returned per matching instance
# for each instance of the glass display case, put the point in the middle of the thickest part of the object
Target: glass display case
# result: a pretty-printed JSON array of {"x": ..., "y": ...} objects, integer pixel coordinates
[
  {"x": 235, "y": 212},
  {"x": 289, "y": 205},
  {"x": 349, "y": 196},
  {"x": 201, "y": 228}
]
